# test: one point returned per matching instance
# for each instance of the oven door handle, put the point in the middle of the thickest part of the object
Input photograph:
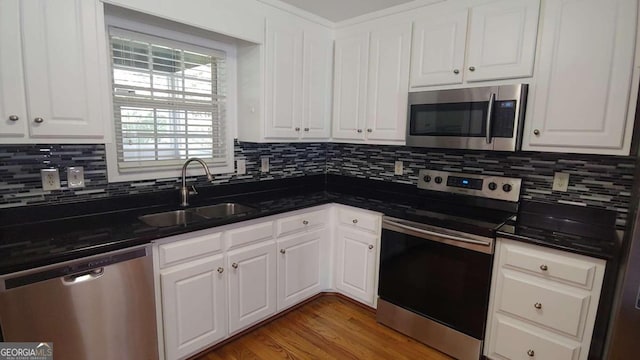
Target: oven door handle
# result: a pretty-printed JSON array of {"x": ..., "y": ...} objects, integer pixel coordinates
[{"x": 433, "y": 233}]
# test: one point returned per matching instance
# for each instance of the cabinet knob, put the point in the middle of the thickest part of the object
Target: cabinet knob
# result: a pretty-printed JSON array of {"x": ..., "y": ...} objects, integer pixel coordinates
[
  {"x": 283, "y": 251},
  {"x": 297, "y": 129},
  {"x": 370, "y": 247},
  {"x": 355, "y": 221},
  {"x": 536, "y": 132},
  {"x": 306, "y": 129},
  {"x": 456, "y": 71},
  {"x": 305, "y": 222},
  {"x": 544, "y": 267},
  {"x": 359, "y": 130},
  {"x": 234, "y": 265},
  {"x": 38, "y": 120},
  {"x": 531, "y": 352},
  {"x": 220, "y": 270},
  {"x": 14, "y": 117},
  {"x": 369, "y": 130},
  {"x": 472, "y": 68},
  {"x": 537, "y": 306}
]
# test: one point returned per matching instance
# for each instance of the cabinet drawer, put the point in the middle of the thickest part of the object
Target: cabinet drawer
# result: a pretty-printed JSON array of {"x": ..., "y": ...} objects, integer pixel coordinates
[
  {"x": 359, "y": 220},
  {"x": 292, "y": 224},
  {"x": 555, "y": 306},
  {"x": 249, "y": 234},
  {"x": 549, "y": 264},
  {"x": 176, "y": 252},
  {"x": 514, "y": 341}
]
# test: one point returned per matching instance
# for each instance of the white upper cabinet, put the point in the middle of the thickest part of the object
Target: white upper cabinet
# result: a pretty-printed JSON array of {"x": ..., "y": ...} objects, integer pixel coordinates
[
  {"x": 13, "y": 110},
  {"x": 499, "y": 38},
  {"x": 581, "y": 102},
  {"x": 438, "y": 49},
  {"x": 297, "y": 70},
  {"x": 284, "y": 79},
  {"x": 371, "y": 83},
  {"x": 60, "y": 93},
  {"x": 502, "y": 40}
]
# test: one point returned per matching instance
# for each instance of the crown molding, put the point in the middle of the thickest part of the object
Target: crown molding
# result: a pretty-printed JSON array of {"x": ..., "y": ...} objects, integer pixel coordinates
[
  {"x": 385, "y": 12},
  {"x": 299, "y": 12}
]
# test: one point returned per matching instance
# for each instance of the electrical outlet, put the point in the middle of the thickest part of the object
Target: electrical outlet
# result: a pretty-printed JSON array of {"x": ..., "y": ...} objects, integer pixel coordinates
[
  {"x": 560, "y": 181},
  {"x": 398, "y": 168},
  {"x": 264, "y": 164},
  {"x": 75, "y": 177},
  {"x": 241, "y": 167},
  {"x": 50, "y": 179}
]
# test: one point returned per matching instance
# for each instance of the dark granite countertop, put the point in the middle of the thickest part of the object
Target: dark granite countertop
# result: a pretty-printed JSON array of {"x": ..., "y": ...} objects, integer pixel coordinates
[{"x": 41, "y": 235}]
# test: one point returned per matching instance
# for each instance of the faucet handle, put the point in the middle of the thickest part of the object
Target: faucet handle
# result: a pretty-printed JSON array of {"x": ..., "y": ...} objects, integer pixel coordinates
[{"x": 193, "y": 191}]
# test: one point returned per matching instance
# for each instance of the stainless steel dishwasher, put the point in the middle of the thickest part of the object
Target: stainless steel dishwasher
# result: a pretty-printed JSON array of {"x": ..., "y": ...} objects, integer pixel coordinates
[{"x": 100, "y": 307}]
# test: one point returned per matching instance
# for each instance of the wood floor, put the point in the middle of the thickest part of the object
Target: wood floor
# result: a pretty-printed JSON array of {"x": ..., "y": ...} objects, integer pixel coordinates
[{"x": 328, "y": 327}]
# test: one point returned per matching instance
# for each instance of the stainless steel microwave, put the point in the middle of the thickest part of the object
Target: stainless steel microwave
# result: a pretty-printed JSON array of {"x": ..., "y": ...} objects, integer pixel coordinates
[{"x": 482, "y": 118}]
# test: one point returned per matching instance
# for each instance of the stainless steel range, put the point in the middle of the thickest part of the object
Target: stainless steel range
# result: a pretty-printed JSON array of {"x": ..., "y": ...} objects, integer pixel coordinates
[{"x": 435, "y": 266}]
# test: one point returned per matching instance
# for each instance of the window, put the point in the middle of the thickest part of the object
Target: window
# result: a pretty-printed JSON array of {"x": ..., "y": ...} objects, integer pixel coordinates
[{"x": 169, "y": 104}]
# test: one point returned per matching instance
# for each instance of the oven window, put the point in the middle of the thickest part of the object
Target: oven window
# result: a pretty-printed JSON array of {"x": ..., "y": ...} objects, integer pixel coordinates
[
  {"x": 445, "y": 283},
  {"x": 454, "y": 119}
]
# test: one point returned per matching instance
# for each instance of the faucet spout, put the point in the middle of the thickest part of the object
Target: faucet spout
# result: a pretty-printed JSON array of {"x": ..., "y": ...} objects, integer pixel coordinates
[{"x": 184, "y": 191}]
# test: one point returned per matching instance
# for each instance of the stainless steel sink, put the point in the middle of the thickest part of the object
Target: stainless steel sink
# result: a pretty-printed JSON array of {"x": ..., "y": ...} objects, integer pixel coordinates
[
  {"x": 171, "y": 218},
  {"x": 223, "y": 210}
]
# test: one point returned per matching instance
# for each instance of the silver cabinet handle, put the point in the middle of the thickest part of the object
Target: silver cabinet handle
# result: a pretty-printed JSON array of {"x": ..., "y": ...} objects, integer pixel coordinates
[
  {"x": 359, "y": 130},
  {"x": 306, "y": 129},
  {"x": 370, "y": 247},
  {"x": 472, "y": 68},
  {"x": 355, "y": 221},
  {"x": 456, "y": 71},
  {"x": 220, "y": 270},
  {"x": 234, "y": 265},
  {"x": 492, "y": 99},
  {"x": 369, "y": 130},
  {"x": 14, "y": 117},
  {"x": 38, "y": 120},
  {"x": 537, "y": 306},
  {"x": 531, "y": 352},
  {"x": 536, "y": 132},
  {"x": 283, "y": 251},
  {"x": 305, "y": 222},
  {"x": 544, "y": 267}
]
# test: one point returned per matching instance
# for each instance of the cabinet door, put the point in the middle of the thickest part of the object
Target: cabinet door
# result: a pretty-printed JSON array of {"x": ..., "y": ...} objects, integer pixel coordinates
[
  {"x": 316, "y": 85},
  {"x": 13, "y": 111},
  {"x": 355, "y": 264},
  {"x": 252, "y": 285},
  {"x": 584, "y": 76},
  {"x": 298, "y": 268},
  {"x": 350, "y": 87},
  {"x": 193, "y": 306},
  {"x": 283, "y": 80},
  {"x": 502, "y": 40},
  {"x": 438, "y": 49},
  {"x": 388, "y": 88},
  {"x": 62, "y": 68}
]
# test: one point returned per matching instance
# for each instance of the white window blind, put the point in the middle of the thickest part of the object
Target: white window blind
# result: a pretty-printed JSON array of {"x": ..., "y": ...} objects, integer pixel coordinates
[{"x": 169, "y": 102}]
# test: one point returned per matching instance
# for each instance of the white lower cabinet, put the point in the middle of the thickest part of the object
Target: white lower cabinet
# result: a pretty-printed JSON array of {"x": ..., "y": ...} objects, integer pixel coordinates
[
  {"x": 252, "y": 284},
  {"x": 543, "y": 303},
  {"x": 355, "y": 267},
  {"x": 298, "y": 268},
  {"x": 193, "y": 306}
]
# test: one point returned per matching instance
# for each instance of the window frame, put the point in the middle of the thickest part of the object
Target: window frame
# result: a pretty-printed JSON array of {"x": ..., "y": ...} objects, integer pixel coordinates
[{"x": 171, "y": 33}]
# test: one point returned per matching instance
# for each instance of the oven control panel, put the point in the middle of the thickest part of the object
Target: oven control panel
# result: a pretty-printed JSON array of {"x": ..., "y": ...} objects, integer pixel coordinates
[{"x": 487, "y": 186}]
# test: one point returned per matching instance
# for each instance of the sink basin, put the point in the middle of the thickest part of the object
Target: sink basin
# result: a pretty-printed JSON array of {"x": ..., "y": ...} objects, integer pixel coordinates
[
  {"x": 170, "y": 218},
  {"x": 222, "y": 210}
]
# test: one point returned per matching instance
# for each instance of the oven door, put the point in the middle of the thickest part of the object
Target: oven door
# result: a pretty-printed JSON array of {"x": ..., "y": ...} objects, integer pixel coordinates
[{"x": 441, "y": 274}]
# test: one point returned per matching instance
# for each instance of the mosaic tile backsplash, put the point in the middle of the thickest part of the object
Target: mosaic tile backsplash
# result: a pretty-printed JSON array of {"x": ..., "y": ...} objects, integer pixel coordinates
[
  {"x": 598, "y": 181},
  {"x": 20, "y": 165}
]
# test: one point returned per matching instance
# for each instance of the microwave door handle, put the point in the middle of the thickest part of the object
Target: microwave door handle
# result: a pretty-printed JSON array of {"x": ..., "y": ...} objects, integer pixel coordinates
[{"x": 492, "y": 99}]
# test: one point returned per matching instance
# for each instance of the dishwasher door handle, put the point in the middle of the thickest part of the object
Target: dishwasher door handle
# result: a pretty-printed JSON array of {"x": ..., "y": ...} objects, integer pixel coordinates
[{"x": 83, "y": 276}]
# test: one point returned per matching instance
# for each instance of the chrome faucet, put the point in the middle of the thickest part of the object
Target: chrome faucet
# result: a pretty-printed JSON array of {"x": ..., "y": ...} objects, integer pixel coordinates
[{"x": 184, "y": 190}]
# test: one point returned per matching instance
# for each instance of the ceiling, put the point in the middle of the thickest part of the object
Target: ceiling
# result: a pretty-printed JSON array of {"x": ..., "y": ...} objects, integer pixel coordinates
[{"x": 339, "y": 10}]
